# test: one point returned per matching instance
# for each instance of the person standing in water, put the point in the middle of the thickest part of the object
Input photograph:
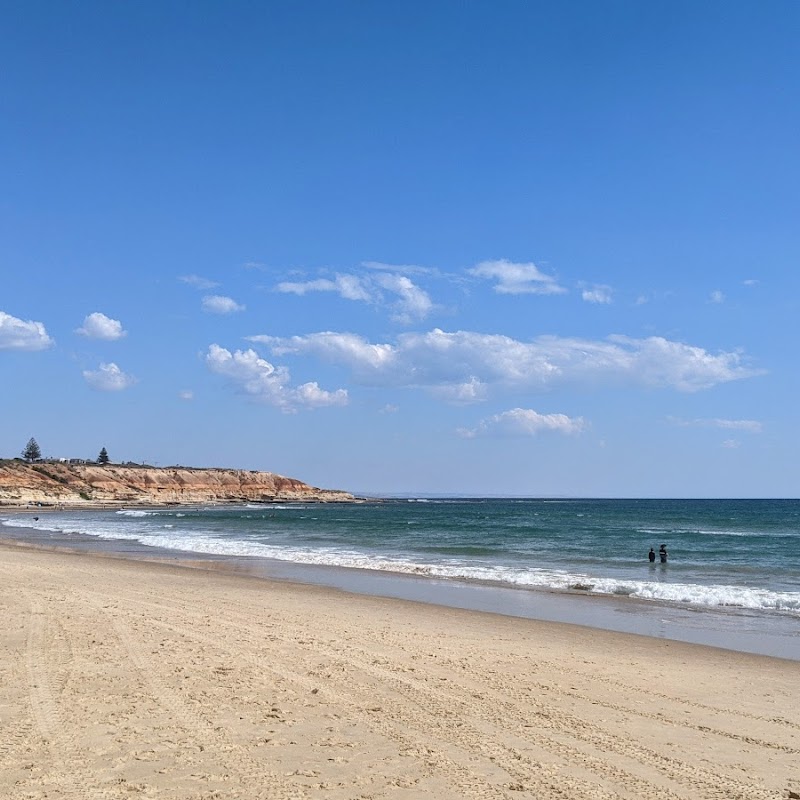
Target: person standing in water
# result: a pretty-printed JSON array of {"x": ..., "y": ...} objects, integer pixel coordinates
[
  {"x": 652, "y": 556},
  {"x": 662, "y": 553}
]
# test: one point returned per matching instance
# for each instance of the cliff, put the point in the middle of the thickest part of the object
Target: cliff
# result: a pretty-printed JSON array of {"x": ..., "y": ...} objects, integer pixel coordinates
[{"x": 87, "y": 485}]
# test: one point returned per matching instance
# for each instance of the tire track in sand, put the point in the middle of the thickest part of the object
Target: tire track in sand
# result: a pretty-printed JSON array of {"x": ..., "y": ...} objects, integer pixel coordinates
[
  {"x": 562, "y": 724},
  {"x": 209, "y": 736},
  {"x": 500, "y": 711},
  {"x": 460, "y": 776},
  {"x": 45, "y": 666},
  {"x": 426, "y": 716},
  {"x": 432, "y": 714}
]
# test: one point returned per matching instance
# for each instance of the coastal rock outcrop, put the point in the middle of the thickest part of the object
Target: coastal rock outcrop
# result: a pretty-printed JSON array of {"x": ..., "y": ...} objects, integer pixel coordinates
[{"x": 86, "y": 485}]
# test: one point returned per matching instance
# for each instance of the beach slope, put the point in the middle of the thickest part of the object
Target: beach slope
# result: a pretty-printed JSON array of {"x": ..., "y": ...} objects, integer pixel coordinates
[{"x": 125, "y": 679}]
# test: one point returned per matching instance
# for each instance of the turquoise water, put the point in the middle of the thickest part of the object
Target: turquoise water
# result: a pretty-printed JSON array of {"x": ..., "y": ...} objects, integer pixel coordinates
[{"x": 737, "y": 554}]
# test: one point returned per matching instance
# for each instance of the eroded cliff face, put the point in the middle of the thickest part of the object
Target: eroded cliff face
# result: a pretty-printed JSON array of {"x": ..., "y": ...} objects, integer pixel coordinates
[{"x": 90, "y": 484}]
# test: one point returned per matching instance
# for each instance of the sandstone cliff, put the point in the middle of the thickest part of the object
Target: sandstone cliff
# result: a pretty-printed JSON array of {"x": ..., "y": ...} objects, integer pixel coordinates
[{"x": 87, "y": 485}]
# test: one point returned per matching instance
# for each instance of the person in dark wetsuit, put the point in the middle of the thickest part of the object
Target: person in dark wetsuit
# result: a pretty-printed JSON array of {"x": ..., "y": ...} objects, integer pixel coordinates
[
  {"x": 662, "y": 553},
  {"x": 652, "y": 556}
]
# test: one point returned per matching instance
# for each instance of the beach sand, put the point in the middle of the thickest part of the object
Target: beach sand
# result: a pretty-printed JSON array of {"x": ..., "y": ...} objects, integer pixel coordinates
[{"x": 123, "y": 679}]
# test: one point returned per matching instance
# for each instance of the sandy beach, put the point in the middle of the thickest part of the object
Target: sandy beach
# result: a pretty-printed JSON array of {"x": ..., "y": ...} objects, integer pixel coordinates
[{"x": 125, "y": 679}]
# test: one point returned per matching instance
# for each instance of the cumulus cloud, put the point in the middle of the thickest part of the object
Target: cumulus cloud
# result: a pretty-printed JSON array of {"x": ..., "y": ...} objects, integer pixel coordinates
[
  {"x": 524, "y": 422},
  {"x": 411, "y": 303},
  {"x": 219, "y": 304},
  {"x": 257, "y": 378},
  {"x": 186, "y": 394},
  {"x": 716, "y": 297},
  {"x": 443, "y": 362},
  {"x": 596, "y": 294},
  {"x": 198, "y": 282},
  {"x": 512, "y": 278},
  {"x": 748, "y": 425},
  {"x": 108, "y": 378},
  {"x": 99, "y": 326},
  {"x": 16, "y": 334}
]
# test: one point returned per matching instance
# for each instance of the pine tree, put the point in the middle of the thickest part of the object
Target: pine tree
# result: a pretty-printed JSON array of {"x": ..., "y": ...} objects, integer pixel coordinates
[
  {"x": 103, "y": 457},
  {"x": 32, "y": 451}
]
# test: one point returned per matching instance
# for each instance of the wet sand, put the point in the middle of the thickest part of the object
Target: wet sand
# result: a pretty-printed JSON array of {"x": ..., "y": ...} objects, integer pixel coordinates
[{"x": 124, "y": 678}]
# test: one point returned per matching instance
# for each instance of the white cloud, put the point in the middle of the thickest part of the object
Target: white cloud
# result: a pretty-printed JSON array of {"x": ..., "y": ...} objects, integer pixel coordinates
[
  {"x": 219, "y": 304},
  {"x": 16, "y": 334},
  {"x": 443, "y": 362},
  {"x": 413, "y": 303},
  {"x": 515, "y": 278},
  {"x": 750, "y": 282},
  {"x": 348, "y": 349},
  {"x": 186, "y": 394},
  {"x": 402, "y": 269},
  {"x": 471, "y": 391},
  {"x": 108, "y": 378},
  {"x": 350, "y": 287},
  {"x": 748, "y": 425},
  {"x": 304, "y": 287},
  {"x": 731, "y": 444},
  {"x": 716, "y": 297},
  {"x": 597, "y": 294},
  {"x": 524, "y": 422},
  {"x": 198, "y": 282},
  {"x": 99, "y": 326},
  {"x": 259, "y": 379}
]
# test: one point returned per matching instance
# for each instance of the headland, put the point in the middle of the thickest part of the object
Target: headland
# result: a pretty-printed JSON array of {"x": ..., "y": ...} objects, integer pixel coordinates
[{"x": 62, "y": 484}]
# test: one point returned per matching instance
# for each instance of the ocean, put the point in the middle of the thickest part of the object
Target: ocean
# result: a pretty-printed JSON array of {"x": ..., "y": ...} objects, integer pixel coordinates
[{"x": 733, "y": 565}]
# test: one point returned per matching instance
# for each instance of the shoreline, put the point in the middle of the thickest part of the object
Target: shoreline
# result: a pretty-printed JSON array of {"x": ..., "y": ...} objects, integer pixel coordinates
[
  {"x": 124, "y": 676},
  {"x": 735, "y": 630}
]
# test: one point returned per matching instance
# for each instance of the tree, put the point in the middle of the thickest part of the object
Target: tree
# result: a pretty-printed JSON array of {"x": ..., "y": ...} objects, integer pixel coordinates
[
  {"x": 32, "y": 451},
  {"x": 103, "y": 457}
]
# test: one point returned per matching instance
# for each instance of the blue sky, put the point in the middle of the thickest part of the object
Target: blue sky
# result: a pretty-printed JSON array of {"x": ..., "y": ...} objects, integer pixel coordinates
[{"x": 512, "y": 248}]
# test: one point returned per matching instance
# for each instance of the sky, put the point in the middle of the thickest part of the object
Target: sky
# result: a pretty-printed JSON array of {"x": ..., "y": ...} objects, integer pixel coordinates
[{"x": 407, "y": 248}]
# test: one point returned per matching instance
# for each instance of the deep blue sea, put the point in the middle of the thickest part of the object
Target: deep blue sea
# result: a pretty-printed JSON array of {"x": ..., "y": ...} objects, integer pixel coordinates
[{"x": 736, "y": 554}]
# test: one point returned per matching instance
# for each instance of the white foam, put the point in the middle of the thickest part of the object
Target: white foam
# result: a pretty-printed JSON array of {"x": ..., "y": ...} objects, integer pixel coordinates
[
  {"x": 279, "y": 506},
  {"x": 710, "y": 596}
]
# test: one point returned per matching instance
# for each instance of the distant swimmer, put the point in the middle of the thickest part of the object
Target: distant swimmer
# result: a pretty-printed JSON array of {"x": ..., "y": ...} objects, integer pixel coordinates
[
  {"x": 662, "y": 553},
  {"x": 652, "y": 556}
]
